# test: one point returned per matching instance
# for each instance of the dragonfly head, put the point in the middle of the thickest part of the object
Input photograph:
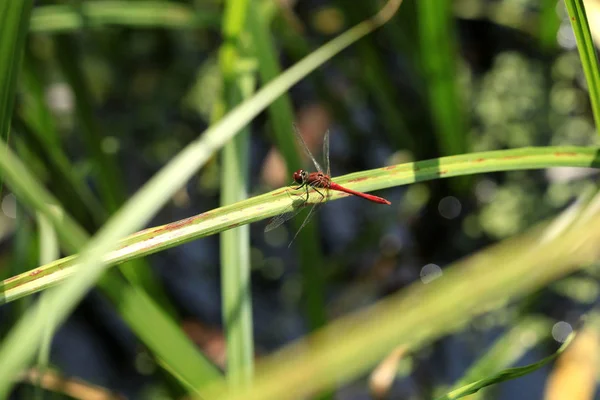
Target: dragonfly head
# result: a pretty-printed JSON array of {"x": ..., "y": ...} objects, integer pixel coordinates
[{"x": 300, "y": 176}]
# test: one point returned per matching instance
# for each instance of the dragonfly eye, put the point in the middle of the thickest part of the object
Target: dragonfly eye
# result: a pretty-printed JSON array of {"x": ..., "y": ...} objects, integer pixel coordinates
[{"x": 299, "y": 176}]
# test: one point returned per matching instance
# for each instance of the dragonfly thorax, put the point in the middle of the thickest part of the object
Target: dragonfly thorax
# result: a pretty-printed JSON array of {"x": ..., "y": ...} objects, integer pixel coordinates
[
  {"x": 318, "y": 183},
  {"x": 300, "y": 176}
]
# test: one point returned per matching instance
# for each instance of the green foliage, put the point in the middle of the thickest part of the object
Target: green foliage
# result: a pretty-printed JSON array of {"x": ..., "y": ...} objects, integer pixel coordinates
[
  {"x": 22, "y": 341},
  {"x": 587, "y": 53},
  {"x": 514, "y": 111},
  {"x": 508, "y": 374}
]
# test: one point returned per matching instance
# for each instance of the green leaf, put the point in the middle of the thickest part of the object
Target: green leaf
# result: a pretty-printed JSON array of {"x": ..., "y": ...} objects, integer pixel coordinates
[
  {"x": 506, "y": 375},
  {"x": 97, "y": 14},
  {"x": 587, "y": 53},
  {"x": 239, "y": 84},
  {"x": 508, "y": 349},
  {"x": 21, "y": 342},
  {"x": 14, "y": 19},
  {"x": 350, "y": 346},
  {"x": 281, "y": 117},
  {"x": 72, "y": 236},
  {"x": 439, "y": 58},
  {"x": 269, "y": 204},
  {"x": 178, "y": 354}
]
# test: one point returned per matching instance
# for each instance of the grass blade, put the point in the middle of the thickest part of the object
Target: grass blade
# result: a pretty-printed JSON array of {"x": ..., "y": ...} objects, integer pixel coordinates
[
  {"x": 549, "y": 24},
  {"x": 376, "y": 81},
  {"x": 14, "y": 19},
  {"x": 178, "y": 355},
  {"x": 438, "y": 55},
  {"x": 350, "y": 346},
  {"x": 21, "y": 342},
  {"x": 587, "y": 53},
  {"x": 282, "y": 118},
  {"x": 105, "y": 166},
  {"x": 576, "y": 370},
  {"x": 506, "y": 375},
  {"x": 235, "y": 243},
  {"x": 97, "y": 14},
  {"x": 507, "y": 350},
  {"x": 49, "y": 251},
  {"x": 260, "y": 207},
  {"x": 35, "y": 124}
]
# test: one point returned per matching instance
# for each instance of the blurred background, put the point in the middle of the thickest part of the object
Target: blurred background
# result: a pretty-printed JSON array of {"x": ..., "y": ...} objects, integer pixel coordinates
[{"x": 106, "y": 98}]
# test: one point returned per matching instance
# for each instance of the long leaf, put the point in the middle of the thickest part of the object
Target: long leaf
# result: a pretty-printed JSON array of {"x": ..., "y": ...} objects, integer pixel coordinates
[
  {"x": 235, "y": 243},
  {"x": 14, "y": 19},
  {"x": 350, "y": 346},
  {"x": 587, "y": 53},
  {"x": 506, "y": 375},
  {"x": 21, "y": 342},
  {"x": 507, "y": 350},
  {"x": 97, "y": 14},
  {"x": 178, "y": 355},
  {"x": 254, "y": 209},
  {"x": 438, "y": 54},
  {"x": 281, "y": 116}
]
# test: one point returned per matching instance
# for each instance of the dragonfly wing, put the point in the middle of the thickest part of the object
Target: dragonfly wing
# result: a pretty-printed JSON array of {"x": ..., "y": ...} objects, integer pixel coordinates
[
  {"x": 302, "y": 143},
  {"x": 277, "y": 221},
  {"x": 310, "y": 213},
  {"x": 326, "y": 152},
  {"x": 292, "y": 211}
]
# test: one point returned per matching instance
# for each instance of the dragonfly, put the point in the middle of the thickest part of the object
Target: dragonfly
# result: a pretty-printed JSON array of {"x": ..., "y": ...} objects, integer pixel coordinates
[{"x": 320, "y": 182}]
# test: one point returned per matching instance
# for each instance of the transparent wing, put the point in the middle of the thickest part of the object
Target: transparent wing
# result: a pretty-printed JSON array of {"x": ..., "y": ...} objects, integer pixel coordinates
[
  {"x": 280, "y": 219},
  {"x": 305, "y": 148},
  {"x": 293, "y": 210},
  {"x": 277, "y": 221},
  {"x": 310, "y": 213},
  {"x": 326, "y": 152}
]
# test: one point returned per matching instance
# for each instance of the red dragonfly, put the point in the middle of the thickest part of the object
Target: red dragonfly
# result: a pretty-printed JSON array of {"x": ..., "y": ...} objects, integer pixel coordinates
[{"x": 315, "y": 180}]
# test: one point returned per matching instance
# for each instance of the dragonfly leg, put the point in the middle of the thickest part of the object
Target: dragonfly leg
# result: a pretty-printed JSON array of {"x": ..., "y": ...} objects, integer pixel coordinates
[
  {"x": 307, "y": 193},
  {"x": 300, "y": 187},
  {"x": 321, "y": 194},
  {"x": 312, "y": 209}
]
